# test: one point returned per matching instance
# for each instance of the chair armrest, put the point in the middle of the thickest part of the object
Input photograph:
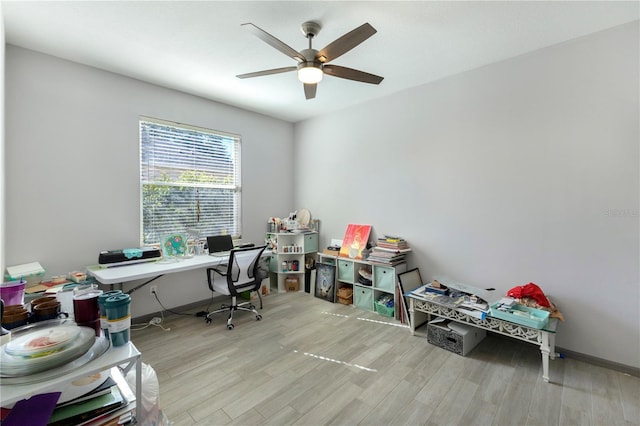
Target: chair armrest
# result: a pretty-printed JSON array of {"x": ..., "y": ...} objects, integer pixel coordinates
[
  {"x": 211, "y": 278},
  {"x": 218, "y": 271}
]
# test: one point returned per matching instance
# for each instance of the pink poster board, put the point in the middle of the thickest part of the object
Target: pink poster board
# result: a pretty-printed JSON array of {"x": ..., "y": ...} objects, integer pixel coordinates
[{"x": 354, "y": 241}]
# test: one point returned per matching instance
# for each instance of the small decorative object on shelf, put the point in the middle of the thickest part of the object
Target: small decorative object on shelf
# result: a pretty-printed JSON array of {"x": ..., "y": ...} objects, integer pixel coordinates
[{"x": 273, "y": 224}]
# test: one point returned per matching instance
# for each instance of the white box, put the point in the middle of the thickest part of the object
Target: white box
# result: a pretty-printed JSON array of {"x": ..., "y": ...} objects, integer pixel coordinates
[
  {"x": 453, "y": 336},
  {"x": 32, "y": 273}
]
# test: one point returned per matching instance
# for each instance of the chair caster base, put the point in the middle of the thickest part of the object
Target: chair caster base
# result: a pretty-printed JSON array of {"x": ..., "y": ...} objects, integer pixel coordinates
[
  {"x": 230, "y": 326},
  {"x": 258, "y": 317},
  {"x": 208, "y": 320}
]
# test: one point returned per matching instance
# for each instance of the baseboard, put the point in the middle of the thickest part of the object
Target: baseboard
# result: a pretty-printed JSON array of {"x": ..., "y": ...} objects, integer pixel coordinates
[{"x": 634, "y": 371}]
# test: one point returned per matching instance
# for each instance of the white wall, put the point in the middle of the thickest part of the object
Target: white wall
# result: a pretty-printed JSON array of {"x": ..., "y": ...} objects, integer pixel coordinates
[
  {"x": 72, "y": 164},
  {"x": 521, "y": 171},
  {"x": 2, "y": 144}
]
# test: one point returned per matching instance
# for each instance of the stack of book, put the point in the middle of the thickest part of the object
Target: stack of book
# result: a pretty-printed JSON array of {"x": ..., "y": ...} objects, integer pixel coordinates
[
  {"x": 389, "y": 250},
  {"x": 108, "y": 403},
  {"x": 392, "y": 243}
]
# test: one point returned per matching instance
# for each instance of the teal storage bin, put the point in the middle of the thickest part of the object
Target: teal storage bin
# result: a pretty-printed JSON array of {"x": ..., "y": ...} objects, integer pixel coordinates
[
  {"x": 384, "y": 278},
  {"x": 384, "y": 310},
  {"x": 310, "y": 243},
  {"x": 345, "y": 271},
  {"x": 530, "y": 317},
  {"x": 363, "y": 298}
]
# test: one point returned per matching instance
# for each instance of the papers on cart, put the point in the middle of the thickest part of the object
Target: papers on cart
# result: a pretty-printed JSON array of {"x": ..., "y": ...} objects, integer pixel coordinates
[{"x": 463, "y": 298}]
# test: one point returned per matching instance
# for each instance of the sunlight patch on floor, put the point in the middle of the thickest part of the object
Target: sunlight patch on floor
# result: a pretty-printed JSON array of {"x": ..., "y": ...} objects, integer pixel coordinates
[
  {"x": 367, "y": 319},
  {"x": 324, "y": 358},
  {"x": 383, "y": 322},
  {"x": 336, "y": 315}
]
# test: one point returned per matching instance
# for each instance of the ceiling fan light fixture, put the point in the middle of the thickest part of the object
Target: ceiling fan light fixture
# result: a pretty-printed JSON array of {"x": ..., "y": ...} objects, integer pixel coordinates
[{"x": 309, "y": 73}]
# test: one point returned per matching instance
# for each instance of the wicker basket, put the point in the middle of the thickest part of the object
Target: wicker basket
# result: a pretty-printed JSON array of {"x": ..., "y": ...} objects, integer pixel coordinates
[{"x": 345, "y": 295}]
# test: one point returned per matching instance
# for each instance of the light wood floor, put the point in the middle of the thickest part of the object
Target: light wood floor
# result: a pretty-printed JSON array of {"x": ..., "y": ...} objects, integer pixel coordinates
[{"x": 311, "y": 362}]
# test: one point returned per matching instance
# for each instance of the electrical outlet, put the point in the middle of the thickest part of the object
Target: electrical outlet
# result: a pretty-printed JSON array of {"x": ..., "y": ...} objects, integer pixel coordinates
[{"x": 153, "y": 289}]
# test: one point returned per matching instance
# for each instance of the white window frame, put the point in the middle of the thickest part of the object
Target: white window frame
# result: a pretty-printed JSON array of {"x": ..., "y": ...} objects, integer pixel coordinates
[{"x": 200, "y": 168}]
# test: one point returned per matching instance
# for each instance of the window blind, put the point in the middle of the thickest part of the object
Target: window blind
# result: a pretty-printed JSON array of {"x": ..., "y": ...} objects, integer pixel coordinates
[{"x": 189, "y": 179}]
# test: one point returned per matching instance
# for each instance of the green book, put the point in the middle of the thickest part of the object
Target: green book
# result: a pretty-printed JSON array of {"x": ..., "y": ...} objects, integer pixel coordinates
[{"x": 74, "y": 414}]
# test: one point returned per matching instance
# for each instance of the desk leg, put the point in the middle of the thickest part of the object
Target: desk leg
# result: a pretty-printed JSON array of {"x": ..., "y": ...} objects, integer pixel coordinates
[
  {"x": 545, "y": 349},
  {"x": 412, "y": 317}
]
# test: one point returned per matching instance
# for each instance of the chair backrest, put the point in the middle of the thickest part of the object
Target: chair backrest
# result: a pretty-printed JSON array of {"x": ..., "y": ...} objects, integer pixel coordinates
[{"x": 242, "y": 269}]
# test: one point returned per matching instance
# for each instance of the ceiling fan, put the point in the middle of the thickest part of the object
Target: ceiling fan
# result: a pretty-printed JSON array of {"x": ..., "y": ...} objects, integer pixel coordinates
[{"x": 312, "y": 64}]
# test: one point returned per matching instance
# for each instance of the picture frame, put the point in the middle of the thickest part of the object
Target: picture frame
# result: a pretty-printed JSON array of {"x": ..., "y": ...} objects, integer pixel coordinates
[
  {"x": 174, "y": 245},
  {"x": 408, "y": 281},
  {"x": 325, "y": 282}
]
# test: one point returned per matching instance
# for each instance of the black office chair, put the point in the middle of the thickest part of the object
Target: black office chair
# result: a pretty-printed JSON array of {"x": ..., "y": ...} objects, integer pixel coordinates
[{"x": 242, "y": 274}]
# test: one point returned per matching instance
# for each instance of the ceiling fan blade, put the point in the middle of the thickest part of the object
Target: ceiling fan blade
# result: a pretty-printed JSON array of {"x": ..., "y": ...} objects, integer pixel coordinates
[
  {"x": 351, "y": 74},
  {"x": 274, "y": 42},
  {"x": 345, "y": 43},
  {"x": 310, "y": 90},
  {"x": 266, "y": 72}
]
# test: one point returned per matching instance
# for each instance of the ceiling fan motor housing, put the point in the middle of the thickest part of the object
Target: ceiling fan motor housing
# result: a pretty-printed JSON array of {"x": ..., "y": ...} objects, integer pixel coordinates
[{"x": 309, "y": 55}]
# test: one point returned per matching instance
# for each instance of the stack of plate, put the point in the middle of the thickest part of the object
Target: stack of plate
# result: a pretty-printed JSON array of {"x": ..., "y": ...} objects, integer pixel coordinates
[{"x": 44, "y": 345}]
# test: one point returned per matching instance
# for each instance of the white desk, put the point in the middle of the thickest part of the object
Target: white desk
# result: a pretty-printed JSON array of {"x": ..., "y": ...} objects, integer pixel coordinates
[
  {"x": 154, "y": 270},
  {"x": 140, "y": 271}
]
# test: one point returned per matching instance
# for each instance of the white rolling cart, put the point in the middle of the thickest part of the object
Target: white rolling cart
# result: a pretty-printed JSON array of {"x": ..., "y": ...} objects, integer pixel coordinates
[{"x": 124, "y": 357}]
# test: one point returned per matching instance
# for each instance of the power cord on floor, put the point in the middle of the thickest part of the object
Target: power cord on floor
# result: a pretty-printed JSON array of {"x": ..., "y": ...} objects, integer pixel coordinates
[
  {"x": 206, "y": 311},
  {"x": 155, "y": 294},
  {"x": 155, "y": 321}
]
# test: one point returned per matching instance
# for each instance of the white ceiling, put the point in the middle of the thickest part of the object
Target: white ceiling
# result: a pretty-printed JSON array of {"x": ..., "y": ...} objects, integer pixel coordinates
[{"x": 199, "y": 46}]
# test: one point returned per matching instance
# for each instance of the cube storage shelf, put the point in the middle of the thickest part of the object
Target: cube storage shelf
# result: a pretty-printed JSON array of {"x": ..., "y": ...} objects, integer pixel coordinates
[
  {"x": 383, "y": 280},
  {"x": 287, "y": 263}
]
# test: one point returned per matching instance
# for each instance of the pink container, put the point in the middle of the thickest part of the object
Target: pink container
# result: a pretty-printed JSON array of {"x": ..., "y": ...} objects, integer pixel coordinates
[{"x": 12, "y": 292}]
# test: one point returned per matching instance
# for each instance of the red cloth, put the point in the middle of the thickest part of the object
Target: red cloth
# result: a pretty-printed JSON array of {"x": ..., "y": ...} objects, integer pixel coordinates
[{"x": 529, "y": 290}]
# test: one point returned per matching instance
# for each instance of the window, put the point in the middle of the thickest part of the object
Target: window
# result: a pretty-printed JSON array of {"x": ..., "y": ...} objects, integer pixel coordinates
[{"x": 190, "y": 180}]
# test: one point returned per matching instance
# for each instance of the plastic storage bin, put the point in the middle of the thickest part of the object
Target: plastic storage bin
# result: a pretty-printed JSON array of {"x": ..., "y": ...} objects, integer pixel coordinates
[
  {"x": 531, "y": 317},
  {"x": 455, "y": 337},
  {"x": 12, "y": 292},
  {"x": 384, "y": 306}
]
